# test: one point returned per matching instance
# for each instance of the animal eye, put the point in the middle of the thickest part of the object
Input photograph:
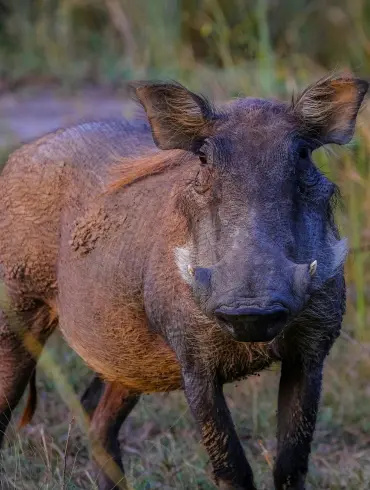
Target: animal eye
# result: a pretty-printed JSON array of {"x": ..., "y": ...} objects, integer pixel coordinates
[
  {"x": 202, "y": 158},
  {"x": 304, "y": 153}
]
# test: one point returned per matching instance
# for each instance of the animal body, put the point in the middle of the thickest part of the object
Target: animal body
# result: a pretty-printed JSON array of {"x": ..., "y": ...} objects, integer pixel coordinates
[{"x": 182, "y": 252}]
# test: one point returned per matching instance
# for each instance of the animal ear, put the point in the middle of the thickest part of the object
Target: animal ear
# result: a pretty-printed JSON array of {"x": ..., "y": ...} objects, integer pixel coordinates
[
  {"x": 179, "y": 118},
  {"x": 328, "y": 109}
]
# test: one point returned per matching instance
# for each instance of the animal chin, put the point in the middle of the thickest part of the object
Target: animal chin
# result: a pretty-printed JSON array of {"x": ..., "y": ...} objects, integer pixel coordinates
[{"x": 251, "y": 332}]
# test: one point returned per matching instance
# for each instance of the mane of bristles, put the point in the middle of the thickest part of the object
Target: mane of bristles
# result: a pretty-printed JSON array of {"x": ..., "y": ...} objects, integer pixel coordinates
[{"x": 132, "y": 169}]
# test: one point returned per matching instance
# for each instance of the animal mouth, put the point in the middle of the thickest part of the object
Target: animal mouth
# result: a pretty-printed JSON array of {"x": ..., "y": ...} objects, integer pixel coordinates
[{"x": 251, "y": 324}]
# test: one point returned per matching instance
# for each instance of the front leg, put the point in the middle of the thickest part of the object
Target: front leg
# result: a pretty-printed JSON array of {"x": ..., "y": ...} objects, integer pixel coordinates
[
  {"x": 207, "y": 403},
  {"x": 299, "y": 396}
]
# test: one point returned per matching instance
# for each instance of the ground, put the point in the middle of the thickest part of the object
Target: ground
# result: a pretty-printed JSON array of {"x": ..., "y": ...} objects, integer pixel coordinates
[{"x": 159, "y": 441}]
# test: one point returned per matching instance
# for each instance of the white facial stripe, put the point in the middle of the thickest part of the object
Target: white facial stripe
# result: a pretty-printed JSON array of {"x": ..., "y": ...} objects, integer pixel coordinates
[
  {"x": 182, "y": 259},
  {"x": 340, "y": 254}
]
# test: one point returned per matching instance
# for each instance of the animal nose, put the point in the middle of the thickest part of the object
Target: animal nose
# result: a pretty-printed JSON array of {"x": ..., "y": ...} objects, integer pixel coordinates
[
  {"x": 275, "y": 312},
  {"x": 250, "y": 324}
]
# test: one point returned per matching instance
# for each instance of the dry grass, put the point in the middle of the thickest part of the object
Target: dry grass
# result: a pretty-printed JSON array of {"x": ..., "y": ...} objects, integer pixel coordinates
[
  {"x": 159, "y": 441},
  {"x": 161, "y": 446}
]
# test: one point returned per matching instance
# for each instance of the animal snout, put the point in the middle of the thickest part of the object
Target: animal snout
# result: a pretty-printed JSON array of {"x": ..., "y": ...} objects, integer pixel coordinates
[{"x": 253, "y": 324}]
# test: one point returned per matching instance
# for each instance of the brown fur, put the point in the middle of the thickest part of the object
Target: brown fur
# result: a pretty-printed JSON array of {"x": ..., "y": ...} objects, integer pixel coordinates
[
  {"x": 90, "y": 228},
  {"x": 116, "y": 401},
  {"x": 329, "y": 103},
  {"x": 129, "y": 170},
  {"x": 176, "y": 115},
  {"x": 102, "y": 265}
]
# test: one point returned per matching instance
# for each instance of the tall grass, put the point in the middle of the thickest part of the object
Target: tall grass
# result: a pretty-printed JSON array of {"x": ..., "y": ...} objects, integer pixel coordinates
[
  {"x": 226, "y": 47},
  {"x": 79, "y": 41},
  {"x": 350, "y": 169}
]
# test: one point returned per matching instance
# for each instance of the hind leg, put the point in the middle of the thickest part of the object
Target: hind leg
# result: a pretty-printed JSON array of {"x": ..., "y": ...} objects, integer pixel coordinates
[
  {"x": 113, "y": 408},
  {"x": 21, "y": 342},
  {"x": 91, "y": 396}
]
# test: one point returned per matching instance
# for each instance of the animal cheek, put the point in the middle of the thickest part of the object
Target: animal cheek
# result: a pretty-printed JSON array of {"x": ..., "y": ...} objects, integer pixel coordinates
[{"x": 183, "y": 260}]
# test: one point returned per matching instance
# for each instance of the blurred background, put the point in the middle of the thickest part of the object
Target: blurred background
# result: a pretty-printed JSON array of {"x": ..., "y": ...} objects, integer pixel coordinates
[{"x": 62, "y": 61}]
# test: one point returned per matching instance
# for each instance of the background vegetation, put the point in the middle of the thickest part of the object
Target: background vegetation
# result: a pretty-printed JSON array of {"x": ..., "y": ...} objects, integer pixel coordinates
[
  {"x": 275, "y": 43},
  {"x": 223, "y": 48}
]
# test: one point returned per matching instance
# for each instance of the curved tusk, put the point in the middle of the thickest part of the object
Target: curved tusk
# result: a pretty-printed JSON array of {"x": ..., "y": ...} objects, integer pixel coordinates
[
  {"x": 191, "y": 270},
  {"x": 313, "y": 267}
]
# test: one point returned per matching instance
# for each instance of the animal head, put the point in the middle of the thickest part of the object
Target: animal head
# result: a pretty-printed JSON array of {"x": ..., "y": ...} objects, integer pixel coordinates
[{"x": 261, "y": 234}]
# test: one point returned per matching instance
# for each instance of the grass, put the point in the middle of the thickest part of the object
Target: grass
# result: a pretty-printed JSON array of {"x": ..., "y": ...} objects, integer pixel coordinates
[
  {"x": 161, "y": 445},
  {"x": 222, "y": 47},
  {"x": 74, "y": 42}
]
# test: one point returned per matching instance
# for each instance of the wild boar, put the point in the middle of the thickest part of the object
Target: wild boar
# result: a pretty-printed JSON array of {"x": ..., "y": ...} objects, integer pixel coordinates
[{"x": 182, "y": 252}]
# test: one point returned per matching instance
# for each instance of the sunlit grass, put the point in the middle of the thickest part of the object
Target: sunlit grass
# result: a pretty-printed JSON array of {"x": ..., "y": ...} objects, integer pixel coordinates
[{"x": 161, "y": 445}]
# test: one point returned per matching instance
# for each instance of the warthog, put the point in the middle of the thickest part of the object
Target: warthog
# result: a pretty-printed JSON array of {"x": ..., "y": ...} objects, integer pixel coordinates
[{"x": 183, "y": 263}]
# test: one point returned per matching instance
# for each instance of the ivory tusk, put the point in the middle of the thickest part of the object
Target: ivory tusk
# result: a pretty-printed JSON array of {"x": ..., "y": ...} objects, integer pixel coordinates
[
  {"x": 313, "y": 268},
  {"x": 191, "y": 270}
]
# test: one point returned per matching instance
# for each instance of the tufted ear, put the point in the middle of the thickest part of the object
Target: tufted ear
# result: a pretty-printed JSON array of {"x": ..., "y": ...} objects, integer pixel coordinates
[
  {"x": 179, "y": 118},
  {"x": 328, "y": 109}
]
